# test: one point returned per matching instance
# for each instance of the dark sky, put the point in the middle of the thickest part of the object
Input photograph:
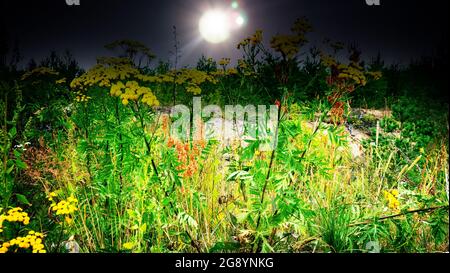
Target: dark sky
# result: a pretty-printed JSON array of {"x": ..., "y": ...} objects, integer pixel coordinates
[{"x": 399, "y": 29}]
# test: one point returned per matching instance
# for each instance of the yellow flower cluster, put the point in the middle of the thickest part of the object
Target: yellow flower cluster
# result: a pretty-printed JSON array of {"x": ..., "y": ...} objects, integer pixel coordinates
[
  {"x": 128, "y": 245},
  {"x": 110, "y": 72},
  {"x": 231, "y": 71},
  {"x": 150, "y": 78},
  {"x": 352, "y": 72},
  {"x": 39, "y": 71},
  {"x": 327, "y": 60},
  {"x": 392, "y": 198},
  {"x": 80, "y": 97},
  {"x": 194, "y": 76},
  {"x": 14, "y": 215},
  {"x": 253, "y": 40},
  {"x": 194, "y": 89},
  {"x": 33, "y": 240},
  {"x": 288, "y": 45},
  {"x": 245, "y": 68},
  {"x": 224, "y": 61},
  {"x": 65, "y": 207},
  {"x": 107, "y": 71},
  {"x": 51, "y": 195},
  {"x": 225, "y": 72},
  {"x": 131, "y": 90}
]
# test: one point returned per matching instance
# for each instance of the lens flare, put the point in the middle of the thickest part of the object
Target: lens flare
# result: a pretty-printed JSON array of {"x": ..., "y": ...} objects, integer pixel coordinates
[
  {"x": 214, "y": 26},
  {"x": 240, "y": 20}
]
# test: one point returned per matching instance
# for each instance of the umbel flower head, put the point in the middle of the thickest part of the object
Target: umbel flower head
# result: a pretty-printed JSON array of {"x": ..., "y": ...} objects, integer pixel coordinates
[
  {"x": 111, "y": 73},
  {"x": 33, "y": 241},
  {"x": 106, "y": 72},
  {"x": 251, "y": 41},
  {"x": 289, "y": 45},
  {"x": 131, "y": 90},
  {"x": 39, "y": 71},
  {"x": 64, "y": 207},
  {"x": 14, "y": 215},
  {"x": 80, "y": 97},
  {"x": 392, "y": 199},
  {"x": 224, "y": 61}
]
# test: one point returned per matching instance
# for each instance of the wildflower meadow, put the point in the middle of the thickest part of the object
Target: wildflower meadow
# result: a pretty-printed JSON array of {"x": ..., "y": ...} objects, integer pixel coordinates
[{"x": 291, "y": 148}]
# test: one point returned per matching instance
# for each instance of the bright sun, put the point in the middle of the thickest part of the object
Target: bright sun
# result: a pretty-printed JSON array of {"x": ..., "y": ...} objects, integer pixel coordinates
[{"x": 214, "y": 26}]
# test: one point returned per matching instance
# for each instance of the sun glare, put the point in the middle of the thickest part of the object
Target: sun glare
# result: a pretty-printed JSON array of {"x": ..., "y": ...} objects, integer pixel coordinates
[{"x": 214, "y": 26}]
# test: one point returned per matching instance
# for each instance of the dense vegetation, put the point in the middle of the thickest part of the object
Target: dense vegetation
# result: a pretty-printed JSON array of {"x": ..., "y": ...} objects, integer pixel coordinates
[{"x": 89, "y": 165}]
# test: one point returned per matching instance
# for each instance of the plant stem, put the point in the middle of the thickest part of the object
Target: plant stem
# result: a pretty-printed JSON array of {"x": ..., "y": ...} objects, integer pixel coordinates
[
  {"x": 272, "y": 157},
  {"x": 400, "y": 214}
]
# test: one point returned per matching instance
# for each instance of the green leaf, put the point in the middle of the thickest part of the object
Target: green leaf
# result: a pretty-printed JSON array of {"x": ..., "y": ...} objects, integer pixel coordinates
[
  {"x": 13, "y": 132},
  {"x": 20, "y": 164},
  {"x": 22, "y": 199},
  {"x": 9, "y": 170},
  {"x": 17, "y": 154}
]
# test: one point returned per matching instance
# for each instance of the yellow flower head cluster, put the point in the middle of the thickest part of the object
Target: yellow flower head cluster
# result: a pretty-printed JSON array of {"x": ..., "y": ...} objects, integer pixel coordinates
[
  {"x": 224, "y": 61},
  {"x": 253, "y": 40},
  {"x": 51, "y": 195},
  {"x": 65, "y": 207},
  {"x": 110, "y": 72},
  {"x": 245, "y": 68},
  {"x": 194, "y": 89},
  {"x": 39, "y": 71},
  {"x": 225, "y": 72},
  {"x": 328, "y": 60},
  {"x": 128, "y": 245},
  {"x": 289, "y": 45},
  {"x": 231, "y": 71},
  {"x": 392, "y": 198},
  {"x": 194, "y": 76},
  {"x": 107, "y": 71},
  {"x": 150, "y": 78},
  {"x": 33, "y": 240},
  {"x": 131, "y": 90},
  {"x": 80, "y": 97},
  {"x": 352, "y": 72},
  {"x": 14, "y": 215},
  {"x": 191, "y": 78}
]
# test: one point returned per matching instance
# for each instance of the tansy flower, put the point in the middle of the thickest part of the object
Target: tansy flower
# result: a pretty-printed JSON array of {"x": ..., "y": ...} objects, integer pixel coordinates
[
  {"x": 32, "y": 241},
  {"x": 14, "y": 215},
  {"x": 51, "y": 195},
  {"x": 128, "y": 246},
  {"x": 224, "y": 61},
  {"x": 392, "y": 198},
  {"x": 65, "y": 207},
  {"x": 39, "y": 71}
]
